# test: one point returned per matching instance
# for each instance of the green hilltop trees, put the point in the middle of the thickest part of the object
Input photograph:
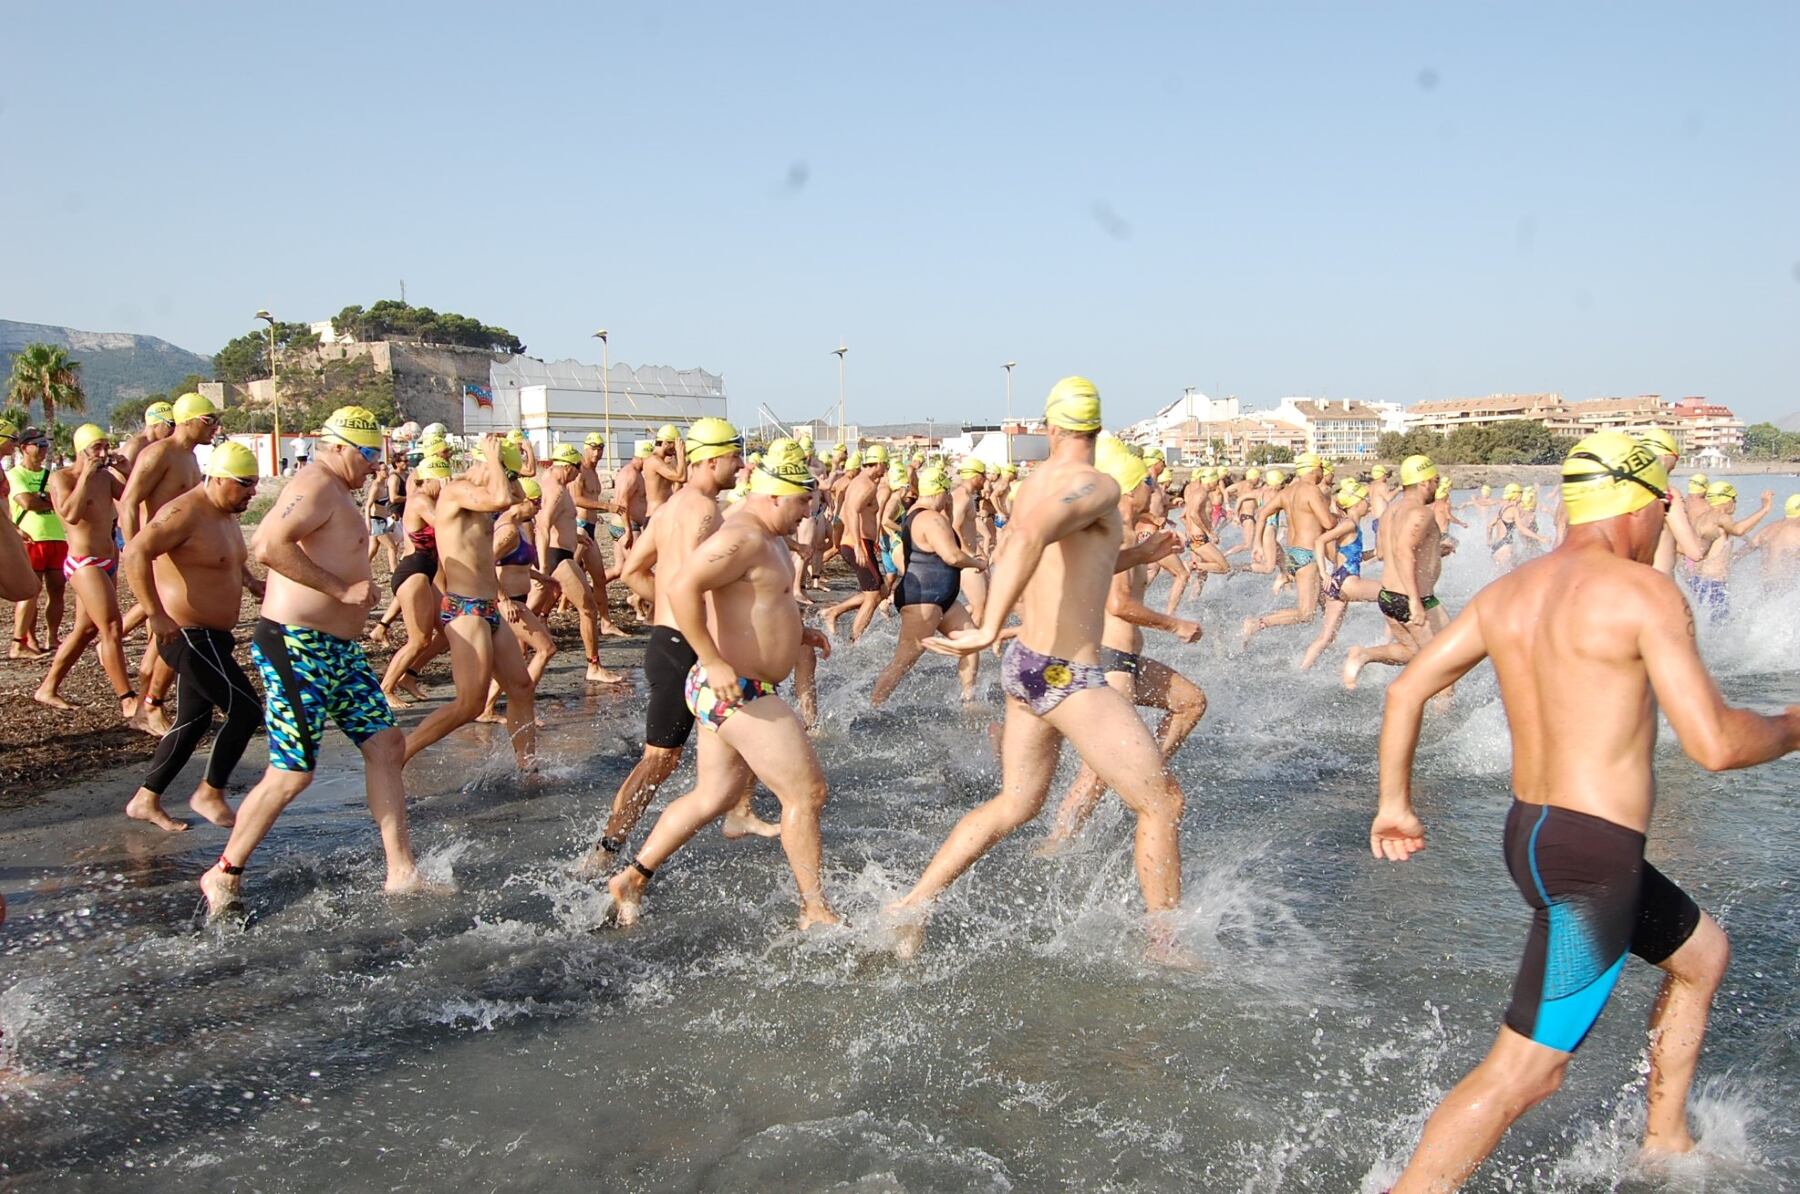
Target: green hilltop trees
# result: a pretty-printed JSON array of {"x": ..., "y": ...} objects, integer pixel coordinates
[{"x": 391, "y": 320}]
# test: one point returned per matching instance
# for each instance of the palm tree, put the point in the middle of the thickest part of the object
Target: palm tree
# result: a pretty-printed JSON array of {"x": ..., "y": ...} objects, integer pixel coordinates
[{"x": 48, "y": 376}]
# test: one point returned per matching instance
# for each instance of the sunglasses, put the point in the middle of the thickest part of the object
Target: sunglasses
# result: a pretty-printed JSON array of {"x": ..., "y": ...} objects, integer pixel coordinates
[
  {"x": 1665, "y": 496},
  {"x": 245, "y": 482}
]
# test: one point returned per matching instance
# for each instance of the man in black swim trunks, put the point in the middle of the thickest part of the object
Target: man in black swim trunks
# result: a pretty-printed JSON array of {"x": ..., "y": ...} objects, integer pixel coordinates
[
  {"x": 714, "y": 454},
  {"x": 1587, "y": 642},
  {"x": 862, "y": 530},
  {"x": 1412, "y": 544}
]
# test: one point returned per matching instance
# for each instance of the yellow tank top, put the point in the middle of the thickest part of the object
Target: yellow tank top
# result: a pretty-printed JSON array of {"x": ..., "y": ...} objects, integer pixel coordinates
[{"x": 43, "y": 526}]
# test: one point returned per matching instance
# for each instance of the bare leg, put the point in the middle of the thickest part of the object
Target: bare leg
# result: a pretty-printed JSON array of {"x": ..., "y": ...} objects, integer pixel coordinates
[
  {"x": 865, "y": 614},
  {"x": 629, "y": 803},
  {"x": 1515, "y": 1076},
  {"x": 718, "y": 784},
  {"x": 256, "y": 816},
  {"x": 66, "y": 654},
  {"x": 521, "y": 700},
  {"x": 916, "y": 622},
  {"x": 806, "y": 685},
  {"x": 1334, "y": 618},
  {"x": 384, "y": 756},
  {"x": 575, "y": 588},
  {"x": 974, "y": 591},
  {"x": 769, "y": 738},
  {"x": 472, "y": 665},
  {"x": 1677, "y": 1030}
]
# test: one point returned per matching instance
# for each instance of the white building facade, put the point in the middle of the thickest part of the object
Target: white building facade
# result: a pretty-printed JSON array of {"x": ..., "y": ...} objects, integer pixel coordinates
[{"x": 562, "y": 401}]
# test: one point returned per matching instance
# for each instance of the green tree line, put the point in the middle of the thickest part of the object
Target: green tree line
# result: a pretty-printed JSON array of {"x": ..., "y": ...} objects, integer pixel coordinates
[
  {"x": 1765, "y": 441},
  {"x": 1515, "y": 441},
  {"x": 388, "y": 320}
]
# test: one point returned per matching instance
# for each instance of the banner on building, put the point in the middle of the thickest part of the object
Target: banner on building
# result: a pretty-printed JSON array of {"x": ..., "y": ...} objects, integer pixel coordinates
[{"x": 483, "y": 395}]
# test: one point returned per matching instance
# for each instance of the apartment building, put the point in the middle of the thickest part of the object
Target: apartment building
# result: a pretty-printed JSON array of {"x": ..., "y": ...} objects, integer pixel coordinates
[
  {"x": 1236, "y": 438},
  {"x": 1444, "y": 415},
  {"x": 1708, "y": 428},
  {"x": 1336, "y": 428}
]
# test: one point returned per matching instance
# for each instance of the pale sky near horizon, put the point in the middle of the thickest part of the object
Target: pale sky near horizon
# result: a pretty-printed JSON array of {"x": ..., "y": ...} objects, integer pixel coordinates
[{"x": 1398, "y": 202}]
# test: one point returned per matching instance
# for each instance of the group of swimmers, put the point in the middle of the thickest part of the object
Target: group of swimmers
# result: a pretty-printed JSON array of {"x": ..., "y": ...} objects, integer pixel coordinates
[{"x": 718, "y": 549}]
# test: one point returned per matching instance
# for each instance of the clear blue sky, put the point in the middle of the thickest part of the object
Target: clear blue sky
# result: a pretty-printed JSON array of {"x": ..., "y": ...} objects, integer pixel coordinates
[{"x": 1401, "y": 203}]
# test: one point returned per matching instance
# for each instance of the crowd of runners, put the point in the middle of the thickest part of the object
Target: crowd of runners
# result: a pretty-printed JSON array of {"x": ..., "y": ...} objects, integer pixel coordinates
[{"x": 721, "y": 551}]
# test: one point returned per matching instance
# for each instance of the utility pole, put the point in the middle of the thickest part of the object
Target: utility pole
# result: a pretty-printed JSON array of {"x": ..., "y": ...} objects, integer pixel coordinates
[
  {"x": 274, "y": 388},
  {"x": 606, "y": 390},
  {"x": 839, "y": 352}
]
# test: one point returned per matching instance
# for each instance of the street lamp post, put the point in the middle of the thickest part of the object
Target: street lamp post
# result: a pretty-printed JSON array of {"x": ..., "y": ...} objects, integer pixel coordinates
[
  {"x": 1007, "y": 434},
  {"x": 839, "y": 352},
  {"x": 606, "y": 390},
  {"x": 274, "y": 388}
]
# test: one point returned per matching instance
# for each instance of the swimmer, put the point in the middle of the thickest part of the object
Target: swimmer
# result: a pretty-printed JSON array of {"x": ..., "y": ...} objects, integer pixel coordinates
[
  {"x": 45, "y": 540},
  {"x": 1715, "y": 530},
  {"x": 387, "y": 493},
  {"x": 1341, "y": 550},
  {"x": 159, "y": 422},
  {"x": 18, "y": 580},
  {"x": 1308, "y": 516},
  {"x": 1678, "y": 528},
  {"x": 314, "y": 543},
  {"x": 1780, "y": 544},
  {"x": 414, "y": 582},
  {"x": 187, "y": 568},
  {"x": 1588, "y": 642},
  {"x": 971, "y": 474},
  {"x": 86, "y": 496},
  {"x": 714, "y": 454},
  {"x": 557, "y": 536},
  {"x": 861, "y": 527},
  {"x": 1143, "y": 681},
  {"x": 473, "y": 607},
  {"x": 1062, "y": 547},
  {"x": 933, "y": 559},
  {"x": 587, "y": 492},
  {"x": 1412, "y": 551},
  {"x": 515, "y": 566},
  {"x": 743, "y": 652},
  {"x": 665, "y": 468}
]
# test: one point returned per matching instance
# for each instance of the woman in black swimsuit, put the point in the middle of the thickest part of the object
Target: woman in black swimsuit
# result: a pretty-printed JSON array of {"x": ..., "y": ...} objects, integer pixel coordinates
[{"x": 931, "y": 562}]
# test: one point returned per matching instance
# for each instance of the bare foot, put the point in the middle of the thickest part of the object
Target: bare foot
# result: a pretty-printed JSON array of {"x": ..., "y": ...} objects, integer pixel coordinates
[
  {"x": 489, "y": 717},
  {"x": 830, "y": 624},
  {"x": 378, "y": 634},
  {"x": 909, "y": 930},
  {"x": 812, "y": 918},
  {"x": 608, "y": 630},
  {"x": 149, "y": 719},
  {"x": 1353, "y": 665},
  {"x": 599, "y": 675},
  {"x": 597, "y": 863},
  {"x": 1163, "y": 950},
  {"x": 221, "y": 892},
  {"x": 741, "y": 822},
  {"x": 803, "y": 600},
  {"x": 627, "y": 891},
  {"x": 1660, "y": 1147},
  {"x": 44, "y": 697},
  {"x": 145, "y": 805},
  {"x": 1251, "y": 626},
  {"x": 24, "y": 650},
  {"x": 209, "y": 802},
  {"x": 1054, "y": 844},
  {"x": 411, "y": 687},
  {"x": 411, "y": 883}
]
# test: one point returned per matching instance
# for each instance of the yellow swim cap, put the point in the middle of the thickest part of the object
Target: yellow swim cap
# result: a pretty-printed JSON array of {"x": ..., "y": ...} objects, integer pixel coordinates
[
  {"x": 1697, "y": 484},
  {"x": 1073, "y": 405},
  {"x": 9, "y": 427},
  {"x": 933, "y": 481},
  {"x": 854, "y": 462},
  {"x": 875, "y": 454},
  {"x": 896, "y": 475},
  {"x": 972, "y": 466},
  {"x": 1306, "y": 462},
  {"x": 1609, "y": 474},
  {"x": 593, "y": 439},
  {"x": 1152, "y": 455},
  {"x": 193, "y": 406},
  {"x": 355, "y": 425},
  {"x": 783, "y": 471},
  {"x": 643, "y": 449},
  {"x": 1117, "y": 461},
  {"x": 1350, "y": 493},
  {"x": 1660, "y": 440},
  {"x": 918, "y": 458},
  {"x": 1793, "y": 506},
  {"x": 1528, "y": 499},
  {"x": 1010, "y": 470},
  {"x": 666, "y": 434},
  {"x": 512, "y": 460},
  {"x": 806, "y": 444},
  {"x": 159, "y": 412},
  {"x": 433, "y": 468},
  {"x": 531, "y": 489},
  {"x": 437, "y": 447},
  {"x": 1443, "y": 489},
  {"x": 566, "y": 454},
  {"x": 1415, "y": 469},
  {"x": 515, "y": 436},
  {"x": 1487, "y": 491},
  {"x": 231, "y": 459},
  {"x": 1378, "y": 472},
  {"x": 87, "y": 435},
  {"x": 1275, "y": 478},
  {"x": 1721, "y": 493},
  {"x": 1511, "y": 492},
  {"x": 1252, "y": 474},
  {"x": 709, "y": 438}
]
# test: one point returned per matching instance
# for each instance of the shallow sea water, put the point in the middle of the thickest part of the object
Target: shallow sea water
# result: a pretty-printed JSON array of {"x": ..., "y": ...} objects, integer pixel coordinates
[{"x": 497, "y": 1038}]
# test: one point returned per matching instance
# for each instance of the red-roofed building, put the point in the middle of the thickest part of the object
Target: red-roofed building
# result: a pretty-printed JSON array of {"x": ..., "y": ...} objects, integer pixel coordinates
[{"x": 1708, "y": 428}]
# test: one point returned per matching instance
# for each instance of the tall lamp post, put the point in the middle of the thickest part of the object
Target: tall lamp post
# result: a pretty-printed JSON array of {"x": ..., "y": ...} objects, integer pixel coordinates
[
  {"x": 1003, "y": 431},
  {"x": 839, "y": 352},
  {"x": 606, "y": 390},
  {"x": 274, "y": 388}
]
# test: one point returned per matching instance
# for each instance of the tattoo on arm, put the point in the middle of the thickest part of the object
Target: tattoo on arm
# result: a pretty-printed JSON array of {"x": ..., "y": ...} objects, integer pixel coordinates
[
  {"x": 723, "y": 552},
  {"x": 290, "y": 507},
  {"x": 1071, "y": 498}
]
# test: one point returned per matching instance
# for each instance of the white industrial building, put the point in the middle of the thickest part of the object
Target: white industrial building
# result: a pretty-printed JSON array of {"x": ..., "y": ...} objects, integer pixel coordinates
[{"x": 562, "y": 401}]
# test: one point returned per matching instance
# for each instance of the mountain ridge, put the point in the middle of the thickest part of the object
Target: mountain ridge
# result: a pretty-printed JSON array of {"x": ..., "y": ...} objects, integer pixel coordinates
[{"x": 115, "y": 366}]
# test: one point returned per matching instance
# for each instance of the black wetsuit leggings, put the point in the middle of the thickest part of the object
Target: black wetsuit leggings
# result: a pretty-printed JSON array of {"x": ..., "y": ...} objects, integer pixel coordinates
[{"x": 208, "y": 678}]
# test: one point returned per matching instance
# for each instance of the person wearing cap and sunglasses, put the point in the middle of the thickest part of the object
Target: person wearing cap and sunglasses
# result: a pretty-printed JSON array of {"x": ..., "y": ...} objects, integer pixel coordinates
[
  {"x": 1588, "y": 642},
  {"x": 1715, "y": 530},
  {"x": 164, "y": 469},
  {"x": 18, "y": 580},
  {"x": 159, "y": 423},
  {"x": 86, "y": 496},
  {"x": 1412, "y": 549},
  {"x": 33, "y": 516},
  {"x": 560, "y": 541},
  {"x": 587, "y": 493},
  {"x": 742, "y": 652},
  {"x": 680, "y": 529},
  {"x": 473, "y": 607},
  {"x": 315, "y": 545},
  {"x": 664, "y": 469},
  {"x": 187, "y": 567},
  {"x": 1678, "y": 537}
]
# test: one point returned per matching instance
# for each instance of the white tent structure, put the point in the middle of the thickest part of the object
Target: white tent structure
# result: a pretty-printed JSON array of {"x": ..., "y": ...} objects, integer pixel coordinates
[{"x": 562, "y": 401}]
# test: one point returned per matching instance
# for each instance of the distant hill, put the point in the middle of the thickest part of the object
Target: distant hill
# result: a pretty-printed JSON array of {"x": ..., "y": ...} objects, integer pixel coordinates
[
  {"x": 115, "y": 366},
  {"x": 1790, "y": 423}
]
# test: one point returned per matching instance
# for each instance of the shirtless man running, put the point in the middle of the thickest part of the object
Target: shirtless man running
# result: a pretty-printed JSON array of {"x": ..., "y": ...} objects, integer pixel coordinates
[
  {"x": 687, "y": 520},
  {"x": 1308, "y": 516},
  {"x": 862, "y": 528},
  {"x": 664, "y": 469},
  {"x": 315, "y": 545},
  {"x": 1715, "y": 530},
  {"x": 1062, "y": 546},
  {"x": 1412, "y": 549},
  {"x": 18, "y": 580},
  {"x": 86, "y": 496},
  {"x": 473, "y": 605},
  {"x": 1780, "y": 544},
  {"x": 159, "y": 421},
  {"x": 1678, "y": 529},
  {"x": 744, "y": 649},
  {"x": 558, "y": 539},
  {"x": 1141, "y": 680},
  {"x": 1587, "y": 641},
  {"x": 187, "y": 568}
]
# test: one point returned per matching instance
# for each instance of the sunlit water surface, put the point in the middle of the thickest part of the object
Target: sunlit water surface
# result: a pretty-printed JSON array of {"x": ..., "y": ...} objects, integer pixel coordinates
[{"x": 499, "y": 1038}]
